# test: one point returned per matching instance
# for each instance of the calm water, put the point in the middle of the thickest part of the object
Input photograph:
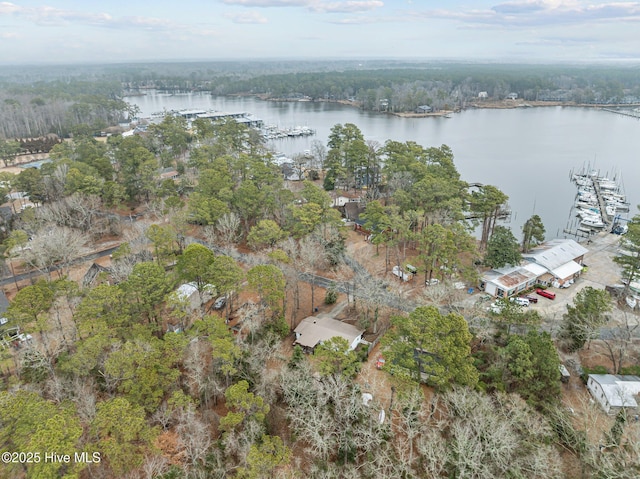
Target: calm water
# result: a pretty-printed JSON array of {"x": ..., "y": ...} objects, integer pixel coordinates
[{"x": 528, "y": 153}]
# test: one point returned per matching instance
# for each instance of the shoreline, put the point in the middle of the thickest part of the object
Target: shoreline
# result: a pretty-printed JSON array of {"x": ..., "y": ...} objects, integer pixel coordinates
[{"x": 506, "y": 104}]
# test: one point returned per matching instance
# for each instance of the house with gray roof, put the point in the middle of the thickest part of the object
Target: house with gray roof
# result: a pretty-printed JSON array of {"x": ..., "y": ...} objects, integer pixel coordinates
[
  {"x": 614, "y": 392},
  {"x": 562, "y": 258},
  {"x": 314, "y": 330}
]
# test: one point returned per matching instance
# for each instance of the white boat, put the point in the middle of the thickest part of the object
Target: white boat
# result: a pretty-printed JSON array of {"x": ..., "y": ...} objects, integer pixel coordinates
[
  {"x": 631, "y": 301},
  {"x": 582, "y": 181},
  {"x": 591, "y": 211},
  {"x": 584, "y": 204},
  {"x": 592, "y": 222}
]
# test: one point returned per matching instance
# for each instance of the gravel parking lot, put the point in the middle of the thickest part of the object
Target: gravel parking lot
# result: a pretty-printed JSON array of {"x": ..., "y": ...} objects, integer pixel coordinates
[{"x": 601, "y": 271}]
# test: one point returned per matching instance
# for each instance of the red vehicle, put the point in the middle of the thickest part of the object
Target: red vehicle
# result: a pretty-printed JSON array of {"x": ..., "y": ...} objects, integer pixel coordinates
[{"x": 546, "y": 294}]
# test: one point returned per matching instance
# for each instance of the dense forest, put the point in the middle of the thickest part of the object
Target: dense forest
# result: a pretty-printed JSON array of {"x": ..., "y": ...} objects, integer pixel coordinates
[
  {"x": 59, "y": 107},
  {"x": 170, "y": 354},
  {"x": 36, "y": 101}
]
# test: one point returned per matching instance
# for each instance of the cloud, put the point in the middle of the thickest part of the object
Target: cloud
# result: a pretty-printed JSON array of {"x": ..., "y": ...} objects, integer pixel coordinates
[
  {"x": 357, "y": 21},
  {"x": 542, "y": 13},
  {"x": 50, "y": 16},
  {"x": 317, "y": 6},
  {"x": 145, "y": 23},
  {"x": 560, "y": 41},
  {"x": 8, "y": 35},
  {"x": 7, "y": 8},
  {"x": 519, "y": 7},
  {"x": 267, "y": 3},
  {"x": 247, "y": 18}
]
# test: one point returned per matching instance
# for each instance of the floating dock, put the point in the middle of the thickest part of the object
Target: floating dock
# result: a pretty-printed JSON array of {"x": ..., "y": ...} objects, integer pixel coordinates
[{"x": 599, "y": 201}]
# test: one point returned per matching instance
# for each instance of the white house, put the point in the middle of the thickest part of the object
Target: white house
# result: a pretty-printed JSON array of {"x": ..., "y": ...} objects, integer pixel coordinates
[
  {"x": 190, "y": 294},
  {"x": 314, "y": 330},
  {"x": 341, "y": 200},
  {"x": 614, "y": 392},
  {"x": 505, "y": 282}
]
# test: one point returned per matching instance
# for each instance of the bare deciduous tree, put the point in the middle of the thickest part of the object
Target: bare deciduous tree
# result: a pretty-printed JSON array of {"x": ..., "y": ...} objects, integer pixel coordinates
[
  {"x": 228, "y": 229},
  {"x": 55, "y": 246},
  {"x": 154, "y": 466},
  {"x": 194, "y": 437},
  {"x": 312, "y": 256},
  {"x": 618, "y": 340}
]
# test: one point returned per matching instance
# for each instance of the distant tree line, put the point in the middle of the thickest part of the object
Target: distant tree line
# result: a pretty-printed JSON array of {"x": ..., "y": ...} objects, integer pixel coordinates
[
  {"x": 34, "y": 102},
  {"x": 59, "y": 107}
]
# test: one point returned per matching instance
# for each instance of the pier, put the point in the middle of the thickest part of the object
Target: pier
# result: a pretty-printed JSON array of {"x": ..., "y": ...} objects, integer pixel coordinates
[
  {"x": 579, "y": 233},
  {"x": 598, "y": 205},
  {"x": 635, "y": 113},
  {"x": 602, "y": 206}
]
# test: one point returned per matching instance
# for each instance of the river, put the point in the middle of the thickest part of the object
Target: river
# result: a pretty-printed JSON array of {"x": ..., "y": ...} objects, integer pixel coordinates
[{"x": 528, "y": 153}]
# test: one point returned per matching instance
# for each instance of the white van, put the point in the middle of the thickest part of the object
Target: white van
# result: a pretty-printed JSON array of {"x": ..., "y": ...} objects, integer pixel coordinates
[{"x": 521, "y": 301}]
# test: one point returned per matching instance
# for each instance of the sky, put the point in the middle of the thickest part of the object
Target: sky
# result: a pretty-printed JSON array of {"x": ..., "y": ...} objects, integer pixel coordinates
[{"x": 115, "y": 31}]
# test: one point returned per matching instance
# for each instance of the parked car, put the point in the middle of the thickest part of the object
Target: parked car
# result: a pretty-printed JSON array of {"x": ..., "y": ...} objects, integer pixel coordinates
[
  {"x": 546, "y": 294},
  {"x": 521, "y": 301},
  {"x": 220, "y": 302},
  {"x": 496, "y": 307},
  {"x": 432, "y": 282},
  {"x": 531, "y": 298}
]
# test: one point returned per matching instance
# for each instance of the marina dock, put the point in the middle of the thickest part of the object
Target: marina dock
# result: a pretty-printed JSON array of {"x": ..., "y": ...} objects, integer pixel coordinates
[
  {"x": 599, "y": 201},
  {"x": 606, "y": 219}
]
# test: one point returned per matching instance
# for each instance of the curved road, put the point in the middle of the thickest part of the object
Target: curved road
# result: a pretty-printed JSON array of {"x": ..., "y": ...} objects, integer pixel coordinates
[
  {"x": 366, "y": 283},
  {"x": 35, "y": 273}
]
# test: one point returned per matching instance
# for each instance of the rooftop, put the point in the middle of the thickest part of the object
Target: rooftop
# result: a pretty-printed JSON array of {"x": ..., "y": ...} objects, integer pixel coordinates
[
  {"x": 619, "y": 390},
  {"x": 556, "y": 253},
  {"x": 313, "y": 330},
  {"x": 510, "y": 277}
]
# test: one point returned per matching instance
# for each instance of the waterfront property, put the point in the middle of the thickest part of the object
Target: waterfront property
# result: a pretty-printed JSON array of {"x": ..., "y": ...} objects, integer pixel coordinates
[
  {"x": 508, "y": 281},
  {"x": 556, "y": 263},
  {"x": 242, "y": 118},
  {"x": 562, "y": 258}
]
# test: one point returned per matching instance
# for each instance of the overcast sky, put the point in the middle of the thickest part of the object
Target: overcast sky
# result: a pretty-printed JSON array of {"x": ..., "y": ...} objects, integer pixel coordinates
[{"x": 64, "y": 31}]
